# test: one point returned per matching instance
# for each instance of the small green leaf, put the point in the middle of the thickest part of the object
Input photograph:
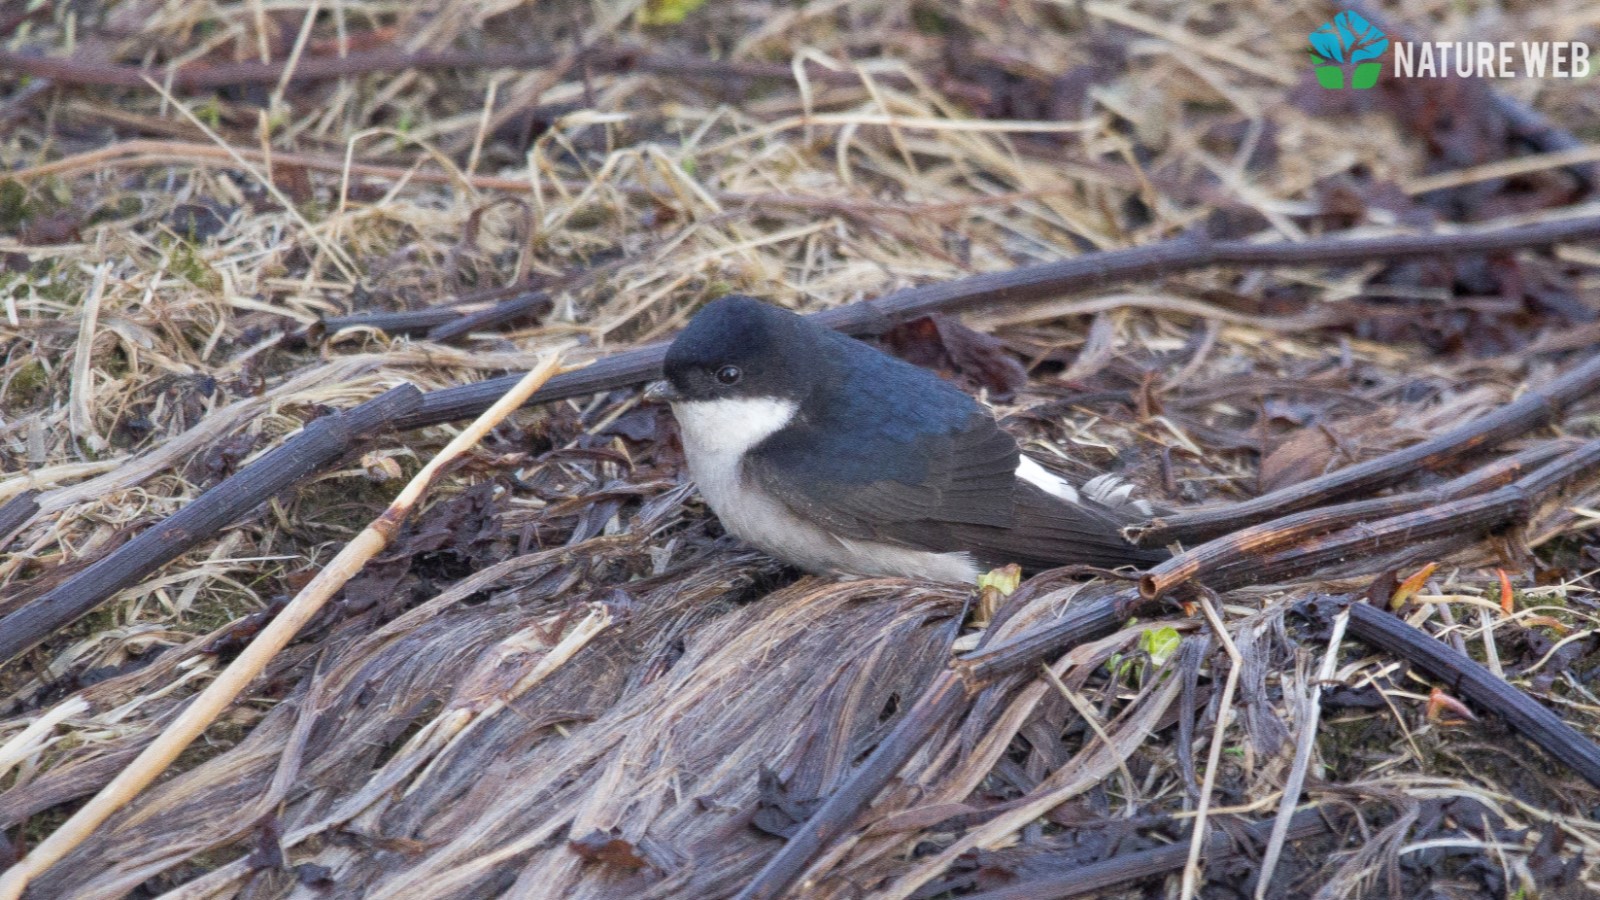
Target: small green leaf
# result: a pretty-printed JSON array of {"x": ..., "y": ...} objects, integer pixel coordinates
[
  {"x": 1004, "y": 579},
  {"x": 1160, "y": 644},
  {"x": 1122, "y": 666},
  {"x": 187, "y": 263},
  {"x": 210, "y": 113},
  {"x": 13, "y": 204},
  {"x": 667, "y": 12}
]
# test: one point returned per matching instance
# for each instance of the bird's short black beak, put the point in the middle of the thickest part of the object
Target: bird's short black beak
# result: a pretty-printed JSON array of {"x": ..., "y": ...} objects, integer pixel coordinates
[{"x": 662, "y": 392}]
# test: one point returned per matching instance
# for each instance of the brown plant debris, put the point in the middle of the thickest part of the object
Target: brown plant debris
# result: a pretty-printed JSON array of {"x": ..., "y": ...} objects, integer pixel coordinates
[{"x": 1333, "y": 337}]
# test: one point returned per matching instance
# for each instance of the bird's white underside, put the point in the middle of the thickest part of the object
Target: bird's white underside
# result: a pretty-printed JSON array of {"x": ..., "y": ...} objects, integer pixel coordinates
[{"x": 716, "y": 436}]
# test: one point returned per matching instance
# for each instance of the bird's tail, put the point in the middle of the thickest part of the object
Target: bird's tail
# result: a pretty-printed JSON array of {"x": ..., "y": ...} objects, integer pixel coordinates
[
  {"x": 1051, "y": 531},
  {"x": 1116, "y": 495}
]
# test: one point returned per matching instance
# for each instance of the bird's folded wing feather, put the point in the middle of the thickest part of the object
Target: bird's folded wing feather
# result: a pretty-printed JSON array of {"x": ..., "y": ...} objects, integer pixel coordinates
[
  {"x": 965, "y": 475},
  {"x": 1049, "y": 532}
]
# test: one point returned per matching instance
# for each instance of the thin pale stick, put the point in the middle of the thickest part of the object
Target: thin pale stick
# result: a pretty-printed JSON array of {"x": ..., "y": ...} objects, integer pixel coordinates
[
  {"x": 1306, "y": 742},
  {"x": 1197, "y": 841},
  {"x": 1506, "y": 168}
]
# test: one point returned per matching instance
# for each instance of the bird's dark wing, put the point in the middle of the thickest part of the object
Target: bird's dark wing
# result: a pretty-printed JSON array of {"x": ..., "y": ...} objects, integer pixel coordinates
[
  {"x": 973, "y": 503},
  {"x": 1047, "y": 532},
  {"x": 832, "y": 476}
]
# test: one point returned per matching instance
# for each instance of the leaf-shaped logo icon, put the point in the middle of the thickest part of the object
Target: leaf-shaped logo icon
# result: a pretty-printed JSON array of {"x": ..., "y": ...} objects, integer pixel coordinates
[{"x": 1349, "y": 38}]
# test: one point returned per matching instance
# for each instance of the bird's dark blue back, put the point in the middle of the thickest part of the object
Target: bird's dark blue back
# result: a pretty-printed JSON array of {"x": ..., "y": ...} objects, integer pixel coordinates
[{"x": 872, "y": 413}]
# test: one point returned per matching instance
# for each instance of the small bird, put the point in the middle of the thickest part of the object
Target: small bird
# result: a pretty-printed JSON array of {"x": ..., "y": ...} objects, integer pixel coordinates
[{"x": 839, "y": 458}]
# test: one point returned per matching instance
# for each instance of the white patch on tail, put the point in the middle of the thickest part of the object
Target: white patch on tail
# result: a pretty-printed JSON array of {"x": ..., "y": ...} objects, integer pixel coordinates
[
  {"x": 1106, "y": 490},
  {"x": 1046, "y": 480}
]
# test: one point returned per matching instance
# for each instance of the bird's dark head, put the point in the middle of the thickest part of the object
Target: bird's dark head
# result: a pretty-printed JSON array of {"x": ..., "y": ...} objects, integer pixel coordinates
[{"x": 739, "y": 348}]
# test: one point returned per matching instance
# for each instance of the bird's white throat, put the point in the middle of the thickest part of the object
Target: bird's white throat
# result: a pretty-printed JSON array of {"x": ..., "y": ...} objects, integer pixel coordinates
[
  {"x": 716, "y": 436},
  {"x": 730, "y": 426}
]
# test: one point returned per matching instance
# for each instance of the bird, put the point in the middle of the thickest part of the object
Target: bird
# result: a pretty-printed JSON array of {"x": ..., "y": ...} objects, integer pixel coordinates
[{"x": 841, "y": 459}]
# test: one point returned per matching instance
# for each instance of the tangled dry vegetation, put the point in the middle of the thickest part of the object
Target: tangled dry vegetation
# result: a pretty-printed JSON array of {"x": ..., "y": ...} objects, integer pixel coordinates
[{"x": 560, "y": 680}]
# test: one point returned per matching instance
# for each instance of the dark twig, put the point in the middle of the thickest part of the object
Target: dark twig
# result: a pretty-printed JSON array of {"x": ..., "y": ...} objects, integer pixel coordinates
[
  {"x": 1022, "y": 285},
  {"x": 1536, "y": 407},
  {"x": 608, "y": 373},
  {"x": 409, "y": 321},
  {"x": 521, "y": 306},
  {"x": 532, "y": 296},
  {"x": 1252, "y": 543},
  {"x": 421, "y": 321},
  {"x": 1545, "y": 136},
  {"x": 1096, "y": 610},
  {"x": 16, "y": 512},
  {"x": 1447, "y": 525},
  {"x": 439, "y": 323},
  {"x": 1478, "y": 684},
  {"x": 1073, "y": 879},
  {"x": 320, "y": 443}
]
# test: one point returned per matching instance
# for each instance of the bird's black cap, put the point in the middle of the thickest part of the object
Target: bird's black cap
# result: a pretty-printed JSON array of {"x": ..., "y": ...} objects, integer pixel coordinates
[{"x": 740, "y": 347}]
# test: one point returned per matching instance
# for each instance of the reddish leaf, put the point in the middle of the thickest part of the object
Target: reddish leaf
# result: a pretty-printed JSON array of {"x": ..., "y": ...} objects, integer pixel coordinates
[
  {"x": 1305, "y": 454},
  {"x": 1439, "y": 703},
  {"x": 294, "y": 181},
  {"x": 607, "y": 848},
  {"x": 1507, "y": 597},
  {"x": 1318, "y": 449},
  {"x": 1410, "y": 586}
]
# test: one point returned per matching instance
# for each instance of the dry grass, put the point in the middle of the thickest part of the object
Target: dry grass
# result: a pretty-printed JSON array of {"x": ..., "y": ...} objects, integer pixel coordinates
[{"x": 561, "y": 648}]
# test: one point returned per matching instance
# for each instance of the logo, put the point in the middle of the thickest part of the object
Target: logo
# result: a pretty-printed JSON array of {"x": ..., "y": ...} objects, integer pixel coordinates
[{"x": 1346, "y": 50}]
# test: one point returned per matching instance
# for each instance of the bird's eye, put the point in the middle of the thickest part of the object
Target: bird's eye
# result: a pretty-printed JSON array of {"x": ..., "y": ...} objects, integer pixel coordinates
[{"x": 728, "y": 374}]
